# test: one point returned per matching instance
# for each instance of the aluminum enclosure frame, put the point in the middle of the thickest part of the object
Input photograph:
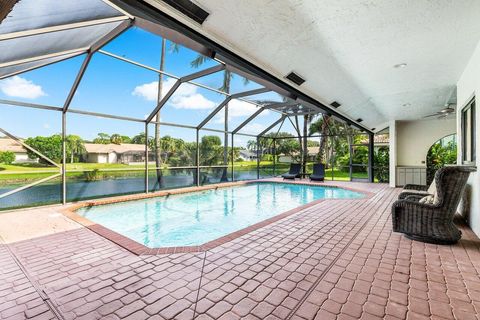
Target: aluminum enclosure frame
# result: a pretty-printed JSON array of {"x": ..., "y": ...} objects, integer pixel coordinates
[{"x": 228, "y": 62}]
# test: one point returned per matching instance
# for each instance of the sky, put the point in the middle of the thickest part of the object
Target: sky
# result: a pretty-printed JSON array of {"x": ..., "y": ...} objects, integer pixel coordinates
[{"x": 116, "y": 87}]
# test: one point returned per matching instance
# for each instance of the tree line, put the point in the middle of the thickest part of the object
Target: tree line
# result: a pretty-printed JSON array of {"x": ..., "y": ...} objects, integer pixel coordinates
[{"x": 172, "y": 151}]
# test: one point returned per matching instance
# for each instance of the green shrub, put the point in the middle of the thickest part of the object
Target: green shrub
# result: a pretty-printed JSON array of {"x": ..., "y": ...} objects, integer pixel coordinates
[
  {"x": 93, "y": 175},
  {"x": 267, "y": 157},
  {"x": 440, "y": 154},
  {"x": 50, "y": 147},
  {"x": 7, "y": 157},
  {"x": 381, "y": 164}
]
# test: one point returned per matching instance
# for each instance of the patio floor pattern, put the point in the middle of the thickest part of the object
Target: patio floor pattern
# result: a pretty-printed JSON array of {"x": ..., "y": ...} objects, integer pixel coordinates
[{"x": 335, "y": 260}]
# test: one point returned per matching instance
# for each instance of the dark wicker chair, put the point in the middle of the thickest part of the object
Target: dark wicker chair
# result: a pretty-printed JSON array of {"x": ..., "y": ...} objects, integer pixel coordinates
[
  {"x": 413, "y": 190},
  {"x": 294, "y": 171},
  {"x": 318, "y": 172},
  {"x": 433, "y": 223}
]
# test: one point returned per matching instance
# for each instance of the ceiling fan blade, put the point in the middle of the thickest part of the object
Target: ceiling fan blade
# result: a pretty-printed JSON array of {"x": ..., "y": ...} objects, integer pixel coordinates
[
  {"x": 447, "y": 110},
  {"x": 432, "y": 115}
]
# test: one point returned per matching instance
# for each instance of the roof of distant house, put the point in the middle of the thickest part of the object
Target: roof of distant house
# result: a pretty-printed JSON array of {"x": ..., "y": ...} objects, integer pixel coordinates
[
  {"x": 111, "y": 147},
  {"x": 7, "y": 144}
]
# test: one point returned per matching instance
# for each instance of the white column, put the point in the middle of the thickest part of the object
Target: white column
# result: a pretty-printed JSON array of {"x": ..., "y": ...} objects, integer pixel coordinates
[{"x": 393, "y": 152}]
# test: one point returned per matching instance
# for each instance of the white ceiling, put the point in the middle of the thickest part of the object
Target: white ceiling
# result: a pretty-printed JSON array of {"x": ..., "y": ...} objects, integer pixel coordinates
[{"x": 346, "y": 49}]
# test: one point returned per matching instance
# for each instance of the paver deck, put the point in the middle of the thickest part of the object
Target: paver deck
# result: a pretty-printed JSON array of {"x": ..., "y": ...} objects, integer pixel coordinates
[{"x": 335, "y": 260}]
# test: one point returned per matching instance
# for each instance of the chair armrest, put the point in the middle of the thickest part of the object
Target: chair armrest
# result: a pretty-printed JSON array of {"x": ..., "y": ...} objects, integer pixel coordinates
[
  {"x": 414, "y": 197},
  {"x": 404, "y": 203},
  {"x": 410, "y": 192},
  {"x": 418, "y": 187}
]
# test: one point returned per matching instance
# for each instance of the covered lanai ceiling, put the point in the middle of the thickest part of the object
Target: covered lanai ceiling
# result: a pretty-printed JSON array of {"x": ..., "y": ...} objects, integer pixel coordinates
[
  {"x": 36, "y": 33},
  {"x": 347, "y": 50}
]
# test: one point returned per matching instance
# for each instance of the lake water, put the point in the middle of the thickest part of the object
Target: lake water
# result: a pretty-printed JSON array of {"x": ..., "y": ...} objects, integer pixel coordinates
[{"x": 52, "y": 192}]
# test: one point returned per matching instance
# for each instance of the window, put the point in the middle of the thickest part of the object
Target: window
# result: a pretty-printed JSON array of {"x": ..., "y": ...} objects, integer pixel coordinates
[{"x": 468, "y": 132}]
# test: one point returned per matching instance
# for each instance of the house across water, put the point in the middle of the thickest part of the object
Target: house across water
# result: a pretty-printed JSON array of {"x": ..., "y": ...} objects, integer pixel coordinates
[
  {"x": 125, "y": 153},
  {"x": 20, "y": 151}
]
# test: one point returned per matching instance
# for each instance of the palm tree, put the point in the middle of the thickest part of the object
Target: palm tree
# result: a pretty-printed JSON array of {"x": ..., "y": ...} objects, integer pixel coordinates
[
  {"x": 168, "y": 145},
  {"x": 139, "y": 138},
  {"x": 157, "y": 150},
  {"x": 325, "y": 125},
  {"x": 252, "y": 145},
  {"x": 103, "y": 138},
  {"x": 116, "y": 138},
  {"x": 306, "y": 122},
  {"x": 126, "y": 139},
  {"x": 225, "y": 87},
  {"x": 75, "y": 146},
  {"x": 157, "y": 140}
]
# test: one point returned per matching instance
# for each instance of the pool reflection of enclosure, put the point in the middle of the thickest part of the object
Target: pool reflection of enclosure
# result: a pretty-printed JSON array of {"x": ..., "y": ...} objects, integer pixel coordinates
[{"x": 207, "y": 155}]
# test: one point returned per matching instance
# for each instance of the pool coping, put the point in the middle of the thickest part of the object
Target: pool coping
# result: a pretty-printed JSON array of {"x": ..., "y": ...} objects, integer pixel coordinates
[{"x": 140, "y": 249}]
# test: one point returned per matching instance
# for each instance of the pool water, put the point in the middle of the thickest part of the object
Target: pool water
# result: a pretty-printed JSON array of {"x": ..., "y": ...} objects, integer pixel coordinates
[{"x": 196, "y": 218}]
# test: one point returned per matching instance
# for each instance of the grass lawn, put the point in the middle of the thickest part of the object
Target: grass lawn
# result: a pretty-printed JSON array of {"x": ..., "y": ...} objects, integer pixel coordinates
[
  {"x": 24, "y": 173},
  {"x": 28, "y": 167},
  {"x": 29, "y": 172}
]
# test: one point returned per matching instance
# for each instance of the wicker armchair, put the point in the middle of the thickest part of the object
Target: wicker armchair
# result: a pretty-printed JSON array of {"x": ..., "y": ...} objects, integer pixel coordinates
[
  {"x": 413, "y": 190},
  {"x": 433, "y": 222}
]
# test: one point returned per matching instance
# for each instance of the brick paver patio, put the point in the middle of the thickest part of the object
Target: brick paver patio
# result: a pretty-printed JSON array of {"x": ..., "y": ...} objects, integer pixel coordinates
[{"x": 335, "y": 260}]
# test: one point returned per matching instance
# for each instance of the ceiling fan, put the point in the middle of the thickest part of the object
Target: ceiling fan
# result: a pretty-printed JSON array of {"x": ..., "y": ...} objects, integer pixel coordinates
[{"x": 446, "y": 111}]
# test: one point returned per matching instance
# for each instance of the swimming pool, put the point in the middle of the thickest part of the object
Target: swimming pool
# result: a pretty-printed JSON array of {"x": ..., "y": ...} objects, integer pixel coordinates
[{"x": 195, "y": 218}]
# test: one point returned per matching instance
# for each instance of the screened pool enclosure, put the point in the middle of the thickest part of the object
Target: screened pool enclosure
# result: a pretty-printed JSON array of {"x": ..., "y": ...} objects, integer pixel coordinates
[{"x": 102, "y": 98}]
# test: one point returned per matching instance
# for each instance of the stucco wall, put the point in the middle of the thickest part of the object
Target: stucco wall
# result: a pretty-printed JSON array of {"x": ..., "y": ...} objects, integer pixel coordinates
[
  {"x": 23, "y": 157},
  {"x": 112, "y": 157},
  {"x": 97, "y": 158},
  {"x": 414, "y": 139},
  {"x": 467, "y": 87}
]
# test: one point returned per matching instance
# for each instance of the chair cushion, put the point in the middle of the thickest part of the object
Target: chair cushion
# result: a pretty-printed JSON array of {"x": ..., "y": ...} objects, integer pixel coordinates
[
  {"x": 433, "y": 188},
  {"x": 430, "y": 199},
  {"x": 412, "y": 191}
]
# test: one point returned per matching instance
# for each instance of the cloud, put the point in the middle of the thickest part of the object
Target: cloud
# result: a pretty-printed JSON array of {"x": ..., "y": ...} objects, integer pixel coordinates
[
  {"x": 21, "y": 88},
  {"x": 185, "y": 97},
  {"x": 148, "y": 91},
  {"x": 195, "y": 101},
  {"x": 237, "y": 109},
  {"x": 46, "y": 126}
]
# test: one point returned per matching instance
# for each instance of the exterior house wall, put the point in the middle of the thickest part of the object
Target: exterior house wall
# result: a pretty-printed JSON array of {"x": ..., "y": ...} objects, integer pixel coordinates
[
  {"x": 414, "y": 139},
  {"x": 97, "y": 158},
  {"x": 467, "y": 87},
  {"x": 23, "y": 157},
  {"x": 112, "y": 157}
]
